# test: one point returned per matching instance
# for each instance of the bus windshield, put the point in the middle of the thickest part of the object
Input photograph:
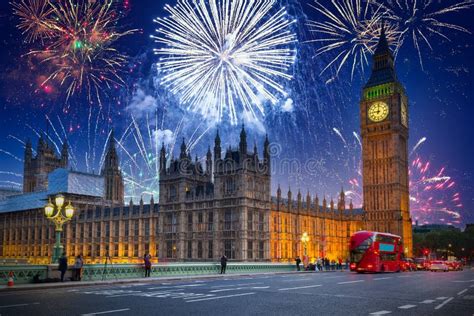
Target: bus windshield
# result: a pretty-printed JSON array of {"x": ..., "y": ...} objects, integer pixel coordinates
[{"x": 358, "y": 251}]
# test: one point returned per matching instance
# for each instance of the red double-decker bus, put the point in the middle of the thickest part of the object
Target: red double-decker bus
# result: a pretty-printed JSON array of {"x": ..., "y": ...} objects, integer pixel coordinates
[{"x": 375, "y": 252}]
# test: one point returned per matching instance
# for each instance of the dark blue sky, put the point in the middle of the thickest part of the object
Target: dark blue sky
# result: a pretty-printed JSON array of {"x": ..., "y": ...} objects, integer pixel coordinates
[{"x": 441, "y": 109}]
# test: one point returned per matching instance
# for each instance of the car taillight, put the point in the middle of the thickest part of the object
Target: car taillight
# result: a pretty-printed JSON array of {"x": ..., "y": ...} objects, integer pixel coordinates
[
  {"x": 369, "y": 266},
  {"x": 353, "y": 265}
]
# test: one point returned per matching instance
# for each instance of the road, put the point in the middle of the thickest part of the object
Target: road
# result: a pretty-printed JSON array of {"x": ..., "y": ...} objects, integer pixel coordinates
[{"x": 330, "y": 293}]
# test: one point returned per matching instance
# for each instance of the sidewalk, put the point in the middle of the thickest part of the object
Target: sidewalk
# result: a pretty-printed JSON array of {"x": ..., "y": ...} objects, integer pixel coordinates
[{"x": 68, "y": 284}]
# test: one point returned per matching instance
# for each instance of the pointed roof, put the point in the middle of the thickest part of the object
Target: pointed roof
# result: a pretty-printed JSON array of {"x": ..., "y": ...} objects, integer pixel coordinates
[
  {"x": 383, "y": 70},
  {"x": 382, "y": 46}
]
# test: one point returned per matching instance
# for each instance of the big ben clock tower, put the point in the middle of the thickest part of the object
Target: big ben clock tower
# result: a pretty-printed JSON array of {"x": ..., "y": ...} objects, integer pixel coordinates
[{"x": 384, "y": 130}]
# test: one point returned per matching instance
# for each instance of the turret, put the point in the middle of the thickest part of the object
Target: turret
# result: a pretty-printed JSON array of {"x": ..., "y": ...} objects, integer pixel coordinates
[
  {"x": 299, "y": 200},
  {"x": 28, "y": 152},
  {"x": 64, "y": 154},
  {"x": 266, "y": 154},
  {"x": 209, "y": 161},
  {"x": 290, "y": 198},
  {"x": 163, "y": 159},
  {"x": 114, "y": 188},
  {"x": 243, "y": 142},
  {"x": 183, "y": 153},
  {"x": 217, "y": 147},
  {"x": 308, "y": 201}
]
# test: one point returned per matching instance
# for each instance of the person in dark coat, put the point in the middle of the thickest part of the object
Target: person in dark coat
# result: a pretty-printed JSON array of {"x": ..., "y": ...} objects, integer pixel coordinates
[
  {"x": 62, "y": 265},
  {"x": 147, "y": 261},
  {"x": 298, "y": 262},
  {"x": 223, "y": 264}
]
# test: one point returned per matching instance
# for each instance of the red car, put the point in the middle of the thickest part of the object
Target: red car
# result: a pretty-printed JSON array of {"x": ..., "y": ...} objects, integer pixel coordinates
[
  {"x": 407, "y": 264},
  {"x": 454, "y": 265}
]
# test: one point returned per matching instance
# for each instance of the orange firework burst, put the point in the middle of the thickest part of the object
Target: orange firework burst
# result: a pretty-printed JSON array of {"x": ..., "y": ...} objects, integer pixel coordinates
[{"x": 75, "y": 41}]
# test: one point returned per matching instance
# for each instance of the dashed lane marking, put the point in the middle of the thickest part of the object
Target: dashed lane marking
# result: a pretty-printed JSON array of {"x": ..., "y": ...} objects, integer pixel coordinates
[
  {"x": 348, "y": 282},
  {"x": 381, "y": 313},
  {"x": 441, "y": 298},
  {"x": 299, "y": 287},
  {"x": 377, "y": 279},
  {"x": 444, "y": 303},
  {"x": 19, "y": 305},
  {"x": 219, "y": 297},
  {"x": 406, "y": 306},
  {"x": 427, "y": 301},
  {"x": 107, "y": 312},
  {"x": 462, "y": 292}
]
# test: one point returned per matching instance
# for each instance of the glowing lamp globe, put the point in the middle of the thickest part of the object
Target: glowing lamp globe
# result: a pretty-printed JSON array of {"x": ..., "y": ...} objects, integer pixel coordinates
[
  {"x": 59, "y": 200},
  {"x": 69, "y": 210},
  {"x": 49, "y": 209}
]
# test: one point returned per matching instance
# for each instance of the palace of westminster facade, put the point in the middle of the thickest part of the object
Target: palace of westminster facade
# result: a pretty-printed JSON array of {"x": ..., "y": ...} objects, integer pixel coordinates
[{"x": 222, "y": 207}]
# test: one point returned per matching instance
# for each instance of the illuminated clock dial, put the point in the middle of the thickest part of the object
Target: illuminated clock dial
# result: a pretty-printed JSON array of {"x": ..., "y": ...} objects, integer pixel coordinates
[
  {"x": 404, "y": 113},
  {"x": 378, "y": 111}
]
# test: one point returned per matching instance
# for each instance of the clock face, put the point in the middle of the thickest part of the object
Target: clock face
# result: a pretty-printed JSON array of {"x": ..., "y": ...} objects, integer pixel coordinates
[
  {"x": 404, "y": 113},
  {"x": 378, "y": 111}
]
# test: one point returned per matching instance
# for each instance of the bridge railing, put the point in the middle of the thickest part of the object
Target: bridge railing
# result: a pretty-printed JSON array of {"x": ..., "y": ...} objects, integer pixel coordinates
[{"x": 26, "y": 273}]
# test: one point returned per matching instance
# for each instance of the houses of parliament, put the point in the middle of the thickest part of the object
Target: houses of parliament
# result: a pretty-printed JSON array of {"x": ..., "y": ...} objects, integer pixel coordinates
[{"x": 220, "y": 205}]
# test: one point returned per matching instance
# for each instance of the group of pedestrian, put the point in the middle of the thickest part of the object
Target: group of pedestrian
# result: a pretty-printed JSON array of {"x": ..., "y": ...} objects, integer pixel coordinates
[
  {"x": 78, "y": 265},
  {"x": 323, "y": 264}
]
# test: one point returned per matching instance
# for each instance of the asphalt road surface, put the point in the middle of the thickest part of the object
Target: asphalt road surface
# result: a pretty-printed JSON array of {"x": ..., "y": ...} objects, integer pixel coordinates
[{"x": 330, "y": 293}]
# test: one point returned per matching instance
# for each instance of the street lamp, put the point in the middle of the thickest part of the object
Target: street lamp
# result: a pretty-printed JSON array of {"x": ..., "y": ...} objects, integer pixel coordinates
[{"x": 58, "y": 219}]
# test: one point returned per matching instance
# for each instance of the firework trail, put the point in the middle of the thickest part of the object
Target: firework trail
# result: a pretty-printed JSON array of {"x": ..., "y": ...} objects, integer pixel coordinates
[
  {"x": 76, "y": 43},
  {"x": 350, "y": 29},
  {"x": 421, "y": 20},
  {"x": 418, "y": 144},
  {"x": 338, "y": 133},
  {"x": 219, "y": 54}
]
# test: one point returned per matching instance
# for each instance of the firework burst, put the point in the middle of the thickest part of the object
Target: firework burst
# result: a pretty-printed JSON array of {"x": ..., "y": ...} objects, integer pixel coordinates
[
  {"x": 219, "y": 54},
  {"x": 418, "y": 20},
  {"x": 75, "y": 40},
  {"x": 433, "y": 195},
  {"x": 350, "y": 30}
]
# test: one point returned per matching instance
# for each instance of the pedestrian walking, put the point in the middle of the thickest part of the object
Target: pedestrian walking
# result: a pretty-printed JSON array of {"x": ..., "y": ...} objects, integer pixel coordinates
[
  {"x": 223, "y": 264},
  {"x": 147, "y": 261},
  {"x": 78, "y": 268},
  {"x": 62, "y": 265},
  {"x": 298, "y": 262},
  {"x": 340, "y": 263}
]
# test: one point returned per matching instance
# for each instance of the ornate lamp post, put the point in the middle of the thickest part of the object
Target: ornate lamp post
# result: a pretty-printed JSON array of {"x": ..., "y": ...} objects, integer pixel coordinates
[
  {"x": 61, "y": 216},
  {"x": 304, "y": 240}
]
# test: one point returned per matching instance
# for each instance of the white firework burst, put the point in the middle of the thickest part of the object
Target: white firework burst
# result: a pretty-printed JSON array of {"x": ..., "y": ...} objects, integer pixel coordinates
[
  {"x": 218, "y": 55},
  {"x": 349, "y": 29},
  {"x": 419, "y": 19}
]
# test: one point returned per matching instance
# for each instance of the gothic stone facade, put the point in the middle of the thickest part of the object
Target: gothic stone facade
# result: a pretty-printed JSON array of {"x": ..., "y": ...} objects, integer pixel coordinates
[{"x": 224, "y": 207}]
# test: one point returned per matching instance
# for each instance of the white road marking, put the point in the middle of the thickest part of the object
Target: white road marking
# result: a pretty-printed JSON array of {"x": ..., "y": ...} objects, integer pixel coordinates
[
  {"x": 348, "y": 282},
  {"x": 404, "y": 276},
  {"x": 427, "y": 301},
  {"x": 19, "y": 305},
  {"x": 462, "y": 292},
  {"x": 225, "y": 290},
  {"x": 253, "y": 283},
  {"x": 219, "y": 297},
  {"x": 381, "y": 313},
  {"x": 260, "y": 287},
  {"x": 444, "y": 303},
  {"x": 377, "y": 279},
  {"x": 108, "y": 312},
  {"x": 406, "y": 306},
  {"x": 441, "y": 298},
  {"x": 299, "y": 287},
  {"x": 463, "y": 281}
]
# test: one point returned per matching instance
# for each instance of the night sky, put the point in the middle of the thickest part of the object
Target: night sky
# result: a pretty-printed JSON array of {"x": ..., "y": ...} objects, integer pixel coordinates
[{"x": 314, "y": 124}]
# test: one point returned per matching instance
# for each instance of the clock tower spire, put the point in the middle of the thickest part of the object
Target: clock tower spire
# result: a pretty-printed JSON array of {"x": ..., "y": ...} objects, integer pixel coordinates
[{"x": 384, "y": 131}]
